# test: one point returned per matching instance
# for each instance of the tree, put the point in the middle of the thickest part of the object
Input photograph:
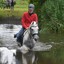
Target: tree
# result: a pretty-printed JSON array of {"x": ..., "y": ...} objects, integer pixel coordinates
[
  {"x": 2, "y": 3},
  {"x": 38, "y": 5},
  {"x": 50, "y": 13}
]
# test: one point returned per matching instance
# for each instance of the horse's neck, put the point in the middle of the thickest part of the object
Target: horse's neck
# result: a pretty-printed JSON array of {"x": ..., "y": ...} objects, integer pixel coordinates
[{"x": 26, "y": 36}]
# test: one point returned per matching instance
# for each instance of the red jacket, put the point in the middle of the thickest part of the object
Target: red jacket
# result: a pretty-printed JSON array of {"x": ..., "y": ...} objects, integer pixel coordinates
[{"x": 27, "y": 19}]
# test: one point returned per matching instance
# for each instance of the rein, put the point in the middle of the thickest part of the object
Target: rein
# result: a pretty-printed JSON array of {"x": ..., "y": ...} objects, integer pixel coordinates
[{"x": 28, "y": 29}]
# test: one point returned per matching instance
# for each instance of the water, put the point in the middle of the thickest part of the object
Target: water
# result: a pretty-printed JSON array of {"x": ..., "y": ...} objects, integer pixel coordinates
[
  {"x": 56, "y": 54},
  {"x": 53, "y": 56},
  {"x": 7, "y": 32}
]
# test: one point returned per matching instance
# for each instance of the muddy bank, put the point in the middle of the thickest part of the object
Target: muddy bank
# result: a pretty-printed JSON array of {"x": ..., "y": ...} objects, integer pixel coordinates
[{"x": 10, "y": 20}]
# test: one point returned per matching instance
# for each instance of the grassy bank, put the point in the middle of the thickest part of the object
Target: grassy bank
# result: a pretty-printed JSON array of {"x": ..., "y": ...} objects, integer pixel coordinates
[
  {"x": 20, "y": 7},
  {"x": 17, "y": 12}
]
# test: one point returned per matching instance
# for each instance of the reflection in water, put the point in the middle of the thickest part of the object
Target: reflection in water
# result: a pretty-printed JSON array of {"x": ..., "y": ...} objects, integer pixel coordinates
[
  {"x": 28, "y": 58},
  {"x": 15, "y": 57}
]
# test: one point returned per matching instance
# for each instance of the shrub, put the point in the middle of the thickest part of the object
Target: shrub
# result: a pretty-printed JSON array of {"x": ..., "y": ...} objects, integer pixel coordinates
[{"x": 51, "y": 14}]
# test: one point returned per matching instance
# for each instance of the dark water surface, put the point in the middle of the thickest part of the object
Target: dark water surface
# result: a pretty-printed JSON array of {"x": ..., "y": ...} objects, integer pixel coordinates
[
  {"x": 53, "y": 56},
  {"x": 56, "y": 54}
]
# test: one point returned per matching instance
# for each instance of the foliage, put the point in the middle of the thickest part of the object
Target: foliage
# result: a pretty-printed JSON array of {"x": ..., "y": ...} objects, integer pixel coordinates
[
  {"x": 51, "y": 14},
  {"x": 2, "y": 3},
  {"x": 21, "y": 4}
]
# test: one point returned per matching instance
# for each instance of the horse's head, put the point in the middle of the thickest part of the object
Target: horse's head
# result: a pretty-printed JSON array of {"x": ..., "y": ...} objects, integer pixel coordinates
[{"x": 34, "y": 30}]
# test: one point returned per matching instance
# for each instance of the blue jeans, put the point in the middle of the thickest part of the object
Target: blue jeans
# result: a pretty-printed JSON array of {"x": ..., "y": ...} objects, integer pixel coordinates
[{"x": 20, "y": 35}]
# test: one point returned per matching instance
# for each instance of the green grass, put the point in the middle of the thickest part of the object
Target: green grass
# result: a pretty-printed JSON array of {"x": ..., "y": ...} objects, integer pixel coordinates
[
  {"x": 20, "y": 7},
  {"x": 21, "y": 4},
  {"x": 8, "y": 13}
]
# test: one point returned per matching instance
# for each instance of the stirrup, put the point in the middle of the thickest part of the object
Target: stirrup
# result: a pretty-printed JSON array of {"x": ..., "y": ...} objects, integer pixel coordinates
[{"x": 19, "y": 44}]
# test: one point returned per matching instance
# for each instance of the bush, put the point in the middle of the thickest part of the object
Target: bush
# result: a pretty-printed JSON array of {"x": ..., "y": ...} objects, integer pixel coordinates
[
  {"x": 2, "y": 3},
  {"x": 51, "y": 14}
]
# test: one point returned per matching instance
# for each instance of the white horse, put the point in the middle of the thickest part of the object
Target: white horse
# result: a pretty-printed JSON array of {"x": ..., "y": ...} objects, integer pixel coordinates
[
  {"x": 30, "y": 36},
  {"x": 29, "y": 40}
]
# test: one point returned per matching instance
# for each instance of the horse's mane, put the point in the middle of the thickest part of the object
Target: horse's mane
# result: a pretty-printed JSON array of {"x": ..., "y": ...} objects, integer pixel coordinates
[{"x": 26, "y": 35}]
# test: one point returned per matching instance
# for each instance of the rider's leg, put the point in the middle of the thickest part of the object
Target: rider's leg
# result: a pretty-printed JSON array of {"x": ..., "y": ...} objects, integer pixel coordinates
[
  {"x": 19, "y": 33},
  {"x": 20, "y": 36}
]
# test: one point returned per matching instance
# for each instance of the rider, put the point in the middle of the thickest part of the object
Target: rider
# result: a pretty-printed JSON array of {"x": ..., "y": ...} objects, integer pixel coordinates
[{"x": 26, "y": 20}]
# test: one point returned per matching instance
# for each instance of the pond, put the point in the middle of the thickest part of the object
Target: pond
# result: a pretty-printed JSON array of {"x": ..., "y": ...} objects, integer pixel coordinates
[{"x": 54, "y": 56}]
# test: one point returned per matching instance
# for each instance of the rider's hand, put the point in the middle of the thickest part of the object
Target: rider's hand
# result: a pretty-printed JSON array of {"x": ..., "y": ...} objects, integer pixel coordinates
[{"x": 27, "y": 28}]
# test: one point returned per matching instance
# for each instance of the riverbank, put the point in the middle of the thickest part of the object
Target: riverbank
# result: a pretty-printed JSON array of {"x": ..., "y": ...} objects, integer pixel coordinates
[
  {"x": 10, "y": 20},
  {"x": 8, "y": 16},
  {"x": 17, "y": 12}
]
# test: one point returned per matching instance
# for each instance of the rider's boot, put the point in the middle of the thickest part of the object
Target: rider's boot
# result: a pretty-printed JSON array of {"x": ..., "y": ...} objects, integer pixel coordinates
[
  {"x": 20, "y": 40},
  {"x": 15, "y": 35}
]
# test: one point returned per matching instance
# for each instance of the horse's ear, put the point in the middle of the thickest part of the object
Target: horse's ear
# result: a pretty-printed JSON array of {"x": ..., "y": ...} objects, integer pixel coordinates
[{"x": 32, "y": 23}]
